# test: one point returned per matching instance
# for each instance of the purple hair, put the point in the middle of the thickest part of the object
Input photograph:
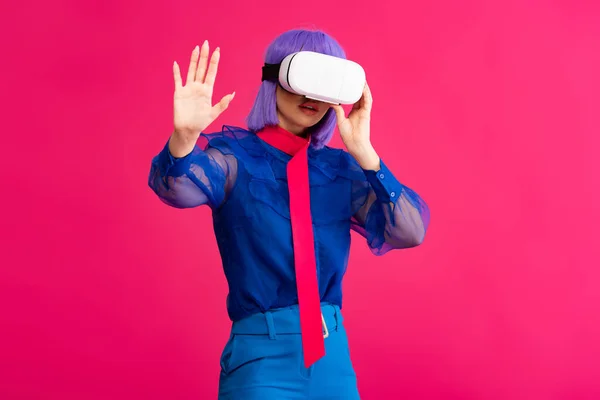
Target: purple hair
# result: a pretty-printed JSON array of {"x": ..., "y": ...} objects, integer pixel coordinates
[{"x": 264, "y": 110}]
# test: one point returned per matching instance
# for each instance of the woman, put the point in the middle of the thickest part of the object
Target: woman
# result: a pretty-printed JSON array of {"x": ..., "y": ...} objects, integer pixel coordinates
[{"x": 283, "y": 205}]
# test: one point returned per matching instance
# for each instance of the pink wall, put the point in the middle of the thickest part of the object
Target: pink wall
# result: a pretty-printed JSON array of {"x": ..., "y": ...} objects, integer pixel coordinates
[{"x": 489, "y": 109}]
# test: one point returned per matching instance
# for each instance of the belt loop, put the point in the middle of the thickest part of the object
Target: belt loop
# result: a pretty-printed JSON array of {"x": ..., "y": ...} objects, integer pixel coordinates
[
  {"x": 337, "y": 316},
  {"x": 271, "y": 325}
]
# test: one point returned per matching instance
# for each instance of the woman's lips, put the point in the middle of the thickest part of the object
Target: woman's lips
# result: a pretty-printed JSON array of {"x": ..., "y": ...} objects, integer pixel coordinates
[{"x": 309, "y": 107}]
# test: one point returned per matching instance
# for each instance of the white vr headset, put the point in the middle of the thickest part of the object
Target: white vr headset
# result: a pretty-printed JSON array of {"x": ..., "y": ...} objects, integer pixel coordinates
[{"x": 318, "y": 77}]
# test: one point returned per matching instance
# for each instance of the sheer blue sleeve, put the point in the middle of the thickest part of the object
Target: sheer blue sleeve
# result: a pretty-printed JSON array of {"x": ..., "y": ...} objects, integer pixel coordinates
[
  {"x": 205, "y": 176},
  {"x": 387, "y": 213}
]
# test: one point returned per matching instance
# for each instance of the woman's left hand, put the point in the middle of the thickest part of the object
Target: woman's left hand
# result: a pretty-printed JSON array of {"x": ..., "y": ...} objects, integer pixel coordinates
[{"x": 355, "y": 131}]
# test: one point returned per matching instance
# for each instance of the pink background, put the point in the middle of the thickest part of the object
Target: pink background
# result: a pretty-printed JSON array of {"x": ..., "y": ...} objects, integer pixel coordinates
[{"x": 489, "y": 109}]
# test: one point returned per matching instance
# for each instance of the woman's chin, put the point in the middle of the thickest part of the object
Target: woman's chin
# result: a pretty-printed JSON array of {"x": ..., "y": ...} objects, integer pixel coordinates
[{"x": 307, "y": 121}]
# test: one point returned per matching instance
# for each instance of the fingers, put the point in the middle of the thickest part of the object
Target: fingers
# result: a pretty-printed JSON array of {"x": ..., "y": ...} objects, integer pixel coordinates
[
  {"x": 213, "y": 67},
  {"x": 202, "y": 63},
  {"x": 193, "y": 64},
  {"x": 176, "y": 75},
  {"x": 223, "y": 104},
  {"x": 365, "y": 102},
  {"x": 198, "y": 65},
  {"x": 367, "y": 97},
  {"x": 339, "y": 112}
]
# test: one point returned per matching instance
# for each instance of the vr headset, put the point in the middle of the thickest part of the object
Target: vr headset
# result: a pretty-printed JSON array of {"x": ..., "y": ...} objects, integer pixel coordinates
[{"x": 318, "y": 77}]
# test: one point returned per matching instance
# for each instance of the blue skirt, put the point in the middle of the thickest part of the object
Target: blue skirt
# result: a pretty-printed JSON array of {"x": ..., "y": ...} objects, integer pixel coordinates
[{"x": 263, "y": 359}]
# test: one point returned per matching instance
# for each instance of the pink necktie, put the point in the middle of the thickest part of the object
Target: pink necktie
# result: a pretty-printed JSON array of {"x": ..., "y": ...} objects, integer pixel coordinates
[{"x": 303, "y": 239}]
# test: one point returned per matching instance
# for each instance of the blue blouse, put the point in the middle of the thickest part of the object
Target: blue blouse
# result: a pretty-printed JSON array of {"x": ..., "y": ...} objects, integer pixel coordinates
[{"x": 243, "y": 180}]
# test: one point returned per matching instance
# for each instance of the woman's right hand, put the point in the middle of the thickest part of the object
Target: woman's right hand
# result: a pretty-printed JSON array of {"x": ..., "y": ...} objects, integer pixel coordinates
[{"x": 192, "y": 107}]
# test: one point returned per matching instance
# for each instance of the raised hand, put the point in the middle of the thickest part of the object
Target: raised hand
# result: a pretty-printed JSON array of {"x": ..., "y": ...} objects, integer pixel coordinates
[
  {"x": 193, "y": 110},
  {"x": 355, "y": 130}
]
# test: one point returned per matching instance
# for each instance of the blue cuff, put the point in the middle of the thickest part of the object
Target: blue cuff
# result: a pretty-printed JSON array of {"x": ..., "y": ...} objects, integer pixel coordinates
[
  {"x": 172, "y": 166},
  {"x": 384, "y": 183}
]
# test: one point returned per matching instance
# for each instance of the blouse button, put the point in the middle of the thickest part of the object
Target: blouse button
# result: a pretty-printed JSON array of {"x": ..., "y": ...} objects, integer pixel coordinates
[
  {"x": 393, "y": 194},
  {"x": 381, "y": 176}
]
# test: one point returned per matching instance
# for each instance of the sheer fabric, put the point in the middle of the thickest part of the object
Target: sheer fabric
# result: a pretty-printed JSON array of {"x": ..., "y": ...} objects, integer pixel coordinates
[{"x": 243, "y": 180}]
